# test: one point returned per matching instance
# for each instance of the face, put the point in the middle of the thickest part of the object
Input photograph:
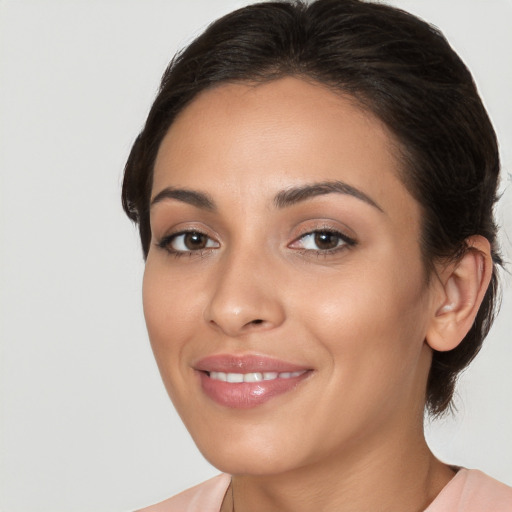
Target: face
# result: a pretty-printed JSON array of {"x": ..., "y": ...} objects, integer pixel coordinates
[{"x": 284, "y": 292}]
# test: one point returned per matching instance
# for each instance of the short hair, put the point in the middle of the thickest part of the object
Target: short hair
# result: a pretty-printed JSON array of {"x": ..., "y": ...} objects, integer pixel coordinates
[{"x": 396, "y": 66}]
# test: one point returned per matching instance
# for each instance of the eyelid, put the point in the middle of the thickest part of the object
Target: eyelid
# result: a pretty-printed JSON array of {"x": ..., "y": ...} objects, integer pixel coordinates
[
  {"x": 346, "y": 240},
  {"x": 308, "y": 229},
  {"x": 166, "y": 241}
]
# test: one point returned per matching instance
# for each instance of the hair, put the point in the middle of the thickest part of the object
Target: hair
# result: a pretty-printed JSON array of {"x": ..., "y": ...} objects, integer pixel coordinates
[{"x": 395, "y": 66}]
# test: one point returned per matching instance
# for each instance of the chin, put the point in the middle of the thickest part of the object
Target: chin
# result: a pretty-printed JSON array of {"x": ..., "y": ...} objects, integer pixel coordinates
[
  {"x": 248, "y": 454},
  {"x": 241, "y": 464}
]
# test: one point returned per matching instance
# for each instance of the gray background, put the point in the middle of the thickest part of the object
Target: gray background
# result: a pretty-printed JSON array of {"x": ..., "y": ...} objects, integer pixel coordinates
[{"x": 85, "y": 422}]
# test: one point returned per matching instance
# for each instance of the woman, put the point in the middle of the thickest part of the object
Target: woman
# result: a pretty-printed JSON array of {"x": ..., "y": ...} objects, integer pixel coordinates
[{"x": 314, "y": 190}]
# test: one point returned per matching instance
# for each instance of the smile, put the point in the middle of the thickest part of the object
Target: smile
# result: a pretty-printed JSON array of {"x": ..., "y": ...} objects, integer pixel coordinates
[
  {"x": 247, "y": 381},
  {"x": 253, "y": 376}
]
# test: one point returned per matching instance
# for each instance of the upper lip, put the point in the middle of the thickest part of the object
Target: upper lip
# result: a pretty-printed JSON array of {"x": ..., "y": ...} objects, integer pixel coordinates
[{"x": 231, "y": 363}]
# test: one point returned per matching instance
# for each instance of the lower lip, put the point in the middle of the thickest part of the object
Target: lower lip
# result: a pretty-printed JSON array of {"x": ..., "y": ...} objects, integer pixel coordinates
[{"x": 245, "y": 395}]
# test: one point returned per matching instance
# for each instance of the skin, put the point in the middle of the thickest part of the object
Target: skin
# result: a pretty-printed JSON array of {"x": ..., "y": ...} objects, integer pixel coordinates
[{"x": 349, "y": 437}]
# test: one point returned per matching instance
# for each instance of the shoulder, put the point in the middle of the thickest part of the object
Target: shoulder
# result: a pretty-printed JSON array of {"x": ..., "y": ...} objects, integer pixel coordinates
[
  {"x": 471, "y": 490},
  {"x": 205, "y": 497},
  {"x": 487, "y": 492}
]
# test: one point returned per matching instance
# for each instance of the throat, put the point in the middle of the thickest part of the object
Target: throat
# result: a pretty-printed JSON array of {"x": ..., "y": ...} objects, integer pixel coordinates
[{"x": 385, "y": 490}]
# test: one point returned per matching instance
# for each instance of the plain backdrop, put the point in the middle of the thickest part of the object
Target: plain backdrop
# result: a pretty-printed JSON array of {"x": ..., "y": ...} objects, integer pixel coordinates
[{"x": 85, "y": 421}]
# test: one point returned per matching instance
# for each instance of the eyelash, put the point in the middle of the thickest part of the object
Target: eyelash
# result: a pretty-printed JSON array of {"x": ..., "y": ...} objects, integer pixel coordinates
[
  {"x": 166, "y": 244},
  {"x": 343, "y": 243}
]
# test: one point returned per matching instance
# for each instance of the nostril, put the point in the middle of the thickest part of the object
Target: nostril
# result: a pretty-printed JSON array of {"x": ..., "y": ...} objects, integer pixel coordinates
[{"x": 257, "y": 321}]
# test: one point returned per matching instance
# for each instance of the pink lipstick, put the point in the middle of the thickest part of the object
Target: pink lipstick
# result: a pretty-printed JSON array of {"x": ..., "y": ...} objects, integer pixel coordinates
[{"x": 243, "y": 382}]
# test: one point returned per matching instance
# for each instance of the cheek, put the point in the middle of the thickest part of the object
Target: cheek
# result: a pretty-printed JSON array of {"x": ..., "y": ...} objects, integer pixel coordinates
[
  {"x": 168, "y": 311},
  {"x": 372, "y": 320},
  {"x": 374, "y": 343},
  {"x": 171, "y": 321}
]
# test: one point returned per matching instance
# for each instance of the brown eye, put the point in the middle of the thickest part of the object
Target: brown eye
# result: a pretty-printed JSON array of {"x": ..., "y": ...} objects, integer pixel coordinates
[
  {"x": 326, "y": 240},
  {"x": 188, "y": 242},
  {"x": 323, "y": 241},
  {"x": 195, "y": 241}
]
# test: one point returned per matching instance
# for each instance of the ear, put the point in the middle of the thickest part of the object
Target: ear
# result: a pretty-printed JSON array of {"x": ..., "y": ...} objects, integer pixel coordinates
[{"x": 459, "y": 293}]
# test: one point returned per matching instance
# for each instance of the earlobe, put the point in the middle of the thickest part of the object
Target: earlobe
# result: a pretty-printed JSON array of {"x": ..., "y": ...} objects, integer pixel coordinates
[{"x": 461, "y": 289}]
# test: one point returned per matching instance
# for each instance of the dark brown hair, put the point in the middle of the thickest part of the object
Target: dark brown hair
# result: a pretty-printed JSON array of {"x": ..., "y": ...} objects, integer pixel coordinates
[{"x": 397, "y": 67}]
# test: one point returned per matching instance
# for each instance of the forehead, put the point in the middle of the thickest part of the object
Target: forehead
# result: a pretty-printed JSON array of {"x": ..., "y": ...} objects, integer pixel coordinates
[{"x": 240, "y": 138}]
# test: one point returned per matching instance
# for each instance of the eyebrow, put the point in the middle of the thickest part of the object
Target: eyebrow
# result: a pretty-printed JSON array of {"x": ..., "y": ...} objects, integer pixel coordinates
[
  {"x": 192, "y": 197},
  {"x": 283, "y": 199},
  {"x": 295, "y": 195}
]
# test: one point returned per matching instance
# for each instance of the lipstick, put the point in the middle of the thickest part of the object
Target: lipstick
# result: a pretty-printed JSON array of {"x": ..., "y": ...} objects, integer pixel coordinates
[{"x": 243, "y": 382}]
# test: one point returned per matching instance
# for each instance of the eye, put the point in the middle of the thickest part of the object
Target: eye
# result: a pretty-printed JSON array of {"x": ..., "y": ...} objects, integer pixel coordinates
[
  {"x": 322, "y": 241},
  {"x": 187, "y": 242}
]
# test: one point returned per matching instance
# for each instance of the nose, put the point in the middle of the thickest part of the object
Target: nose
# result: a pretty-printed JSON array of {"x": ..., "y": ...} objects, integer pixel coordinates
[{"x": 244, "y": 297}]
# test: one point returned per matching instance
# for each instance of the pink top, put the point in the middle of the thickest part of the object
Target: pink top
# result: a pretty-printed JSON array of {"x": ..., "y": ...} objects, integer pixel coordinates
[{"x": 468, "y": 491}]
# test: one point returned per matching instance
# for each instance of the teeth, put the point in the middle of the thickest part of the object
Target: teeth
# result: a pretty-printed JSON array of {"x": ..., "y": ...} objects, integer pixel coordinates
[
  {"x": 253, "y": 376},
  {"x": 234, "y": 377}
]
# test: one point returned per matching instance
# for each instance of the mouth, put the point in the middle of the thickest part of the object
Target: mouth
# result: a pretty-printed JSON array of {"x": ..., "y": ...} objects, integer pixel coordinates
[
  {"x": 243, "y": 382},
  {"x": 236, "y": 378}
]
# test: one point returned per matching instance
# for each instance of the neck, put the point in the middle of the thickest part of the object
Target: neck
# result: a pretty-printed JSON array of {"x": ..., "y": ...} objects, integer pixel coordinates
[{"x": 400, "y": 475}]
